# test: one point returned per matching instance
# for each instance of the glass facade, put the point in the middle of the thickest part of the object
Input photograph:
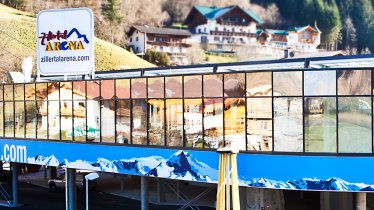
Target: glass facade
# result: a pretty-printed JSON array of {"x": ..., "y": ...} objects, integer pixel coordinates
[{"x": 298, "y": 111}]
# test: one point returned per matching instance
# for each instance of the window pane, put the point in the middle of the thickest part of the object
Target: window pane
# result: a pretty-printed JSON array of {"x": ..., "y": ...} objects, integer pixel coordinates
[
  {"x": 41, "y": 91},
  {"x": 213, "y": 85},
  {"x": 29, "y": 91},
  {"x": 259, "y": 84},
  {"x": 41, "y": 126},
  {"x": 173, "y": 87},
  {"x": 354, "y": 125},
  {"x": 79, "y": 90},
  {"x": 138, "y": 88},
  {"x": 53, "y": 120},
  {"x": 93, "y": 120},
  {"x": 192, "y": 86},
  {"x": 139, "y": 122},
  {"x": 1, "y": 92},
  {"x": 193, "y": 122},
  {"x": 287, "y": 83},
  {"x": 123, "y": 121},
  {"x": 19, "y": 119},
  {"x": 288, "y": 125},
  {"x": 79, "y": 113},
  {"x": 259, "y": 124},
  {"x": 53, "y": 91},
  {"x": 156, "y": 122},
  {"x": 123, "y": 88},
  {"x": 320, "y": 124},
  {"x": 65, "y": 91},
  {"x": 320, "y": 82},
  {"x": 234, "y": 85},
  {"x": 8, "y": 92},
  {"x": 67, "y": 120},
  {"x": 93, "y": 89},
  {"x": 107, "y": 89},
  {"x": 354, "y": 82},
  {"x": 156, "y": 87},
  {"x": 1, "y": 119},
  {"x": 235, "y": 122},
  {"x": 174, "y": 122},
  {"x": 107, "y": 121},
  {"x": 19, "y": 92},
  {"x": 31, "y": 119},
  {"x": 9, "y": 119},
  {"x": 213, "y": 122}
]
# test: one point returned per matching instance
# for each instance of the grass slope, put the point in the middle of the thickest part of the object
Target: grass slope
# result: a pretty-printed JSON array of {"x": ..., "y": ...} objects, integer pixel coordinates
[{"x": 17, "y": 41}]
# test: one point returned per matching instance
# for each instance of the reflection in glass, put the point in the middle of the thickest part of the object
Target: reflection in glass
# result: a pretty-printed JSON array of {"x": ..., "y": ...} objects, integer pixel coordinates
[
  {"x": 354, "y": 125},
  {"x": 41, "y": 91},
  {"x": 123, "y": 88},
  {"x": 19, "y": 117},
  {"x": 354, "y": 82},
  {"x": 193, "y": 125},
  {"x": 42, "y": 119},
  {"x": 213, "y": 122},
  {"x": 213, "y": 85},
  {"x": 66, "y": 91},
  {"x": 93, "y": 89},
  {"x": 1, "y": 119},
  {"x": 107, "y": 89},
  {"x": 1, "y": 92},
  {"x": 259, "y": 84},
  {"x": 66, "y": 112},
  {"x": 156, "y": 87},
  {"x": 53, "y": 120},
  {"x": 320, "y": 124},
  {"x": 53, "y": 91},
  {"x": 30, "y": 119},
  {"x": 138, "y": 88},
  {"x": 79, "y": 113},
  {"x": 156, "y": 122},
  {"x": 234, "y": 85},
  {"x": 192, "y": 86},
  {"x": 235, "y": 122},
  {"x": 173, "y": 87},
  {"x": 287, "y": 83},
  {"x": 29, "y": 91},
  {"x": 139, "y": 122},
  {"x": 107, "y": 121},
  {"x": 93, "y": 120},
  {"x": 19, "y": 92},
  {"x": 259, "y": 124},
  {"x": 8, "y": 92},
  {"x": 123, "y": 121},
  {"x": 79, "y": 90},
  {"x": 9, "y": 119},
  {"x": 288, "y": 125},
  {"x": 174, "y": 122},
  {"x": 320, "y": 82}
]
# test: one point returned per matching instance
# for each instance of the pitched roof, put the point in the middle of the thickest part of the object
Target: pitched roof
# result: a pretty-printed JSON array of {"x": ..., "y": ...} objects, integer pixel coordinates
[
  {"x": 212, "y": 13},
  {"x": 277, "y": 31},
  {"x": 157, "y": 30},
  {"x": 301, "y": 28}
]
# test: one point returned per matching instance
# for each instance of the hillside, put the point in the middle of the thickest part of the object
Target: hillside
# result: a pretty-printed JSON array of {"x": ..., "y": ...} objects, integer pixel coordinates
[{"x": 17, "y": 41}]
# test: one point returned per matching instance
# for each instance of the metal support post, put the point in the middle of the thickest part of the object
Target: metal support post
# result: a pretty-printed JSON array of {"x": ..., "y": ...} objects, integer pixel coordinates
[
  {"x": 361, "y": 201},
  {"x": 144, "y": 193},
  {"x": 71, "y": 202},
  {"x": 14, "y": 168}
]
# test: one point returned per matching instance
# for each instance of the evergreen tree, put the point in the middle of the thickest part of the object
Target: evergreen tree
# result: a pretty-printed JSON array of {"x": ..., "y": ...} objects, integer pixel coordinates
[{"x": 112, "y": 13}]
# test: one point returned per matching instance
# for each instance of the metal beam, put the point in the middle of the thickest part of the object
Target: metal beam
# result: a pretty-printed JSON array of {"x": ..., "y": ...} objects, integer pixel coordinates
[
  {"x": 144, "y": 193},
  {"x": 70, "y": 189}
]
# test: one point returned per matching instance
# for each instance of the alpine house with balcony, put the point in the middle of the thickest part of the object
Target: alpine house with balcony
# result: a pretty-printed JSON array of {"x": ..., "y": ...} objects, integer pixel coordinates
[{"x": 222, "y": 30}]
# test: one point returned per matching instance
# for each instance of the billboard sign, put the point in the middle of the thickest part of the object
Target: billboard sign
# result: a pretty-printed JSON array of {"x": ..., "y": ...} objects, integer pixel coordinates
[{"x": 65, "y": 42}]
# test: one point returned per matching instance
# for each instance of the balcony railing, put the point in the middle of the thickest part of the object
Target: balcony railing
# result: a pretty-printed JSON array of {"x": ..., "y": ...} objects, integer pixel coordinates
[
  {"x": 230, "y": 33},
  {"x": 176, "y": 44}
]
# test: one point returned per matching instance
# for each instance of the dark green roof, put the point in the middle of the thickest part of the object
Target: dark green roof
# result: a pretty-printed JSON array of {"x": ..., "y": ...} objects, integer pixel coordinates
[
  {"x": 276, "y": 31},
  {"x": 215, "y": 12}
]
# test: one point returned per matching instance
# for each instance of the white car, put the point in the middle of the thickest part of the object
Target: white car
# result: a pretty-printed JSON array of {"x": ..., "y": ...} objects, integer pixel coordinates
[{"x": 80, "y": 181}]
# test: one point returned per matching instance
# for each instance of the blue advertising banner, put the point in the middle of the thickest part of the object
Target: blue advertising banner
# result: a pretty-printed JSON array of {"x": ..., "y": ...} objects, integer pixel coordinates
[{"x": 255, "y": 170}]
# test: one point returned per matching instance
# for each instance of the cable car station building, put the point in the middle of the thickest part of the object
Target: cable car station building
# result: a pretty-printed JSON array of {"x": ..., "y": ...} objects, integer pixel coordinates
[{"x": 300, "y": 124}]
